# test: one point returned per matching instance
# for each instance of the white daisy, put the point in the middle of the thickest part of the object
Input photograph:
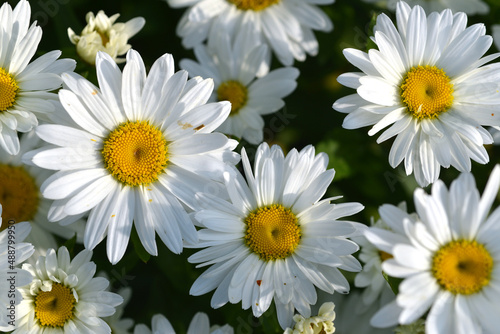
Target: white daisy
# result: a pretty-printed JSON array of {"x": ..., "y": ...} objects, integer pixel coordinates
[
  {"x": 115, "y": 321},
  {"x": 13, "y": 251},
  {"x": 468, "y": 6},
  {"x": 64, "y": 296},
  {"x": 428, "y": 83},
  {"x": 275, "y": 240},
  {"x": 234, "y": 69},
  {"x": 371, "y": 278},
  {"x": 199, "y": 325},
  {"x": 102, "y": 34},
  {"x": 285, "y": 25},
  {"x": 320, "y": 324},
  {"x": 20, "y": 195},
  {"x": 451, "y": 261},
  {"x": 25, "y": 88},
  {"x": 142, "y": 149}
]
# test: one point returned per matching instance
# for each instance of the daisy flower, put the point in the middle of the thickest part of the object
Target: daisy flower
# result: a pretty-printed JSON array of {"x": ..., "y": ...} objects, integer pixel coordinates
[
  {"x": 64, "y": 296},
  {"x": 22, "y": 201},
  {"x": 428, "y": 85},
  {"x": 320, "y": 324},
  {"x": 115, "y": 321},
  {"x": 13, "y": 251},
  {"x": 102, "y": 34},
  {"x": 371, "y": 278},
  {"x": 285, "y": 25},
  {"x": 468, "y": 6},
  {"x": 450, "y": 262},
  {"x": 142, "y": 148},
  {"x": 199, "y": 325},
  {"x": 25, "y": 88},
  {"x": 234, "y": 68},
  {"x": 275, "y": 239}
]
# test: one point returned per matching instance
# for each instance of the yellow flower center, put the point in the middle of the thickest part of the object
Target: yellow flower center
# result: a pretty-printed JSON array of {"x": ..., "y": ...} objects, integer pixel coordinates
[
  {"x": 135, "y": 153},
  {"x": 18, "y": 194},
  {"x": 255, "y": 5},
  {"x": 272, "y": 232},
  {"x": 8, "y": 90},
  {"x": 384, "y": 256},
  {"x": 234, "y": 92},
  {"x": 53, "y": 308},
  {"x": 426, "y": 91},
  {"x": 462, "y": 267}
]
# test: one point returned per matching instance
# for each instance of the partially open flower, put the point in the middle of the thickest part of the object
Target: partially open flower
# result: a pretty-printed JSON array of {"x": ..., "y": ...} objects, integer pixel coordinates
[{"x": 102, "y": 34}]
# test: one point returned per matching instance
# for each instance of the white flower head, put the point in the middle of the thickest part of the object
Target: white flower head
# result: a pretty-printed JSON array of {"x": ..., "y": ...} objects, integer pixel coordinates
[
  {"x": 22, "y": 200},
  {"x": 275, "y": 239},
  {"x": 65, "y": 296},
  {"x": 13, "y": 251},
  {"x": 200, "y": 324},
  {"x": 449, "y": 261},
  {"x": 142, "y": 147},
  {"x": 427, "y": 84},
  {"x": 371, "y": 278},
  {"x": 25, "y": 88},
  {"x": 467, "y": 6},
  {"x": 102, "y": 34},
  {"x": 286, "y": 26},
  {"x": 320, "y": 324},
  {"x": 234, "y": 68}
]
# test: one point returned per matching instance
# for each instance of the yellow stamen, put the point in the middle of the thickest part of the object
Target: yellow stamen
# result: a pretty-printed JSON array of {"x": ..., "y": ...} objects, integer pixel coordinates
[
  {"x": 272, "y": 232},
  {"x": 384, "y": 256},
  {"x": 426, "y": 91},
  {"x": 18, "y": 194},
  {"x": 462, "y": 267},
  {"x": 135, "y": 153},
  {"x": 8, "y": 90},
  {"x": 55, "y": 307},
  {"x": 234, "y": 92},
  {"x": 255, "y": 5}
]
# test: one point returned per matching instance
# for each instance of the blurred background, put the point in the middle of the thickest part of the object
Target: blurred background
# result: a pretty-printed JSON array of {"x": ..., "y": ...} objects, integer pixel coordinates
[{"x": 161, "y": 284}]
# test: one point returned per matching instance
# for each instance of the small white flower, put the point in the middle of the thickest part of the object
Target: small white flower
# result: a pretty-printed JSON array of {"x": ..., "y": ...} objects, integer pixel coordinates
[
  {"x": 468, "y": 6},
  {"x": 285, "y": 25},
  {"x": 13, "y": 251},
  {"x": 25, "y": 88},
  {"x": 234, "y": 69},
  {"x": 275, "y": 239},
  {"x": 64, "y": 296},
  {"x": 199, "y": 325},
  {"x": 320, "y": 324},
  {"x": 449, "y": 259},
  {"x": 115, "y": 321},
  {"x": 102, "y": 34},
  {"x": 427, "y": 84},
  {"x": 142, "y": 147},
  {"x": 371, "y": 278}
]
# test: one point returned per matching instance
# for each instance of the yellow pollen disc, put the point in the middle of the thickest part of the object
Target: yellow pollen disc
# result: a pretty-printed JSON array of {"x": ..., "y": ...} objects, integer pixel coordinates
[
  {"x": 8, "y": 90},
  {"x": 135, "y": 153},
  {"x": 18, "y": 194},
  {"x": 53, "y": 308},
  {"x": 426, "y": 91},
  {"x": 272, "y": 232},
  {"x": 255, "y": 5},
  {"x": 384, "y": 256},
  {"x": 234, "y": 92},
  {"x": 462, "y": 267}
]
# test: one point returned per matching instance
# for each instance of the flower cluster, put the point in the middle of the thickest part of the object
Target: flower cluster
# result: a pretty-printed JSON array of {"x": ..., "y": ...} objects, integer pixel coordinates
[{"x": 122, "y": 162}]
